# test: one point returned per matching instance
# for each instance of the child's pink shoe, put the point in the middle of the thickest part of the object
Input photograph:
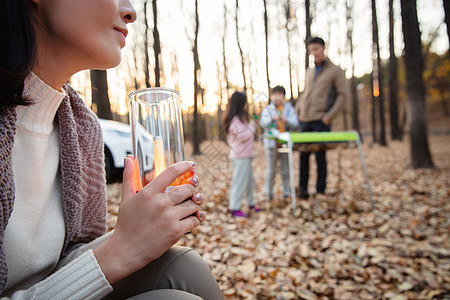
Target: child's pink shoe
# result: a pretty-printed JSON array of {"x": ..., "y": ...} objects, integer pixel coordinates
[
  {"x": 238, "y": 214},
  {"x": 255, "y": 208}
]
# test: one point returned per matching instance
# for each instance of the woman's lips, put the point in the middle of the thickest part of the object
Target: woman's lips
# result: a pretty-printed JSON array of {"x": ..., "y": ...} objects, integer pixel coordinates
[{"x": 123, "y": 33}]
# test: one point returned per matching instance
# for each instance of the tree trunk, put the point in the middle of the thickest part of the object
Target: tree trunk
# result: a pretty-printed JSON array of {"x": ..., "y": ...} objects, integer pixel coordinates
[
  {"x": 99, "y": 87},
  {"x": 288, "y": 39},
  {"x": 241, "y": 53},
  {"x": 447, "y": 18},
  {"x": 374, "y": 108},
  {"x": 420, "y": 153},
  {"x": 355, "y": 102},
  {"x": 221, "y": 100},
  {"x": 393, "y": 78},
  {"x": 195, "y": 132},
  {"x": 378, "y": 76},
  {"x": 266, "y": 33},
  {"x": 250, "y": 90},
  {"x": 147, "y": 58},
  {"x": 224, "y": 56},
  {"x": 156, "y": 44},
  {"x": 354, "y": 92},
  {"x": 308, "y": 32},
  {"x": 134, "y": 70},
  {"x": 225, "y": 73}
]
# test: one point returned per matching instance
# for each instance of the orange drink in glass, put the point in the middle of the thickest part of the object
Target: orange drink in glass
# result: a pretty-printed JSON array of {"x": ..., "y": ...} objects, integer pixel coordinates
[{"x": 157, "y": 133}]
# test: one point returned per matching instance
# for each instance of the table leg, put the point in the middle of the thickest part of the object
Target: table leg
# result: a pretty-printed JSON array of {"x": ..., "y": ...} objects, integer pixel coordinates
[{"x": 291, "y": 176}]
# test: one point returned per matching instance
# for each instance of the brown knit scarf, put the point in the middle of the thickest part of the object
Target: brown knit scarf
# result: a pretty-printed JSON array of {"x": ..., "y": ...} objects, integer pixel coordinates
[{"x": 82, "y": 173}]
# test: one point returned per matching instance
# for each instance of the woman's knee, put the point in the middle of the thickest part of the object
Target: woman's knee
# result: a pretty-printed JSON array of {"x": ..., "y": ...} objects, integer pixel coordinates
[
  {"x": 165, "y": 294},
  {"x": 189, "y": 272}
]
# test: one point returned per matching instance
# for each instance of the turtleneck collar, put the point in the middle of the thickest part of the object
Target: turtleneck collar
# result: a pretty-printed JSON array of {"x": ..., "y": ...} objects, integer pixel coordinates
[{"x": 39, "y": 117}]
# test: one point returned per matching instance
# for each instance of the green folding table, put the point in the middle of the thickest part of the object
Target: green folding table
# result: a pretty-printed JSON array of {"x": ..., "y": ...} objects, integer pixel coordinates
[{"x": 317, "y": 141}]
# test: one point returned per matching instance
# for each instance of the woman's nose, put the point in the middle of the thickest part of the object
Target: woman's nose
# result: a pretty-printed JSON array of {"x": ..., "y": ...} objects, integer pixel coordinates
[{"x": 127, "y": 11}]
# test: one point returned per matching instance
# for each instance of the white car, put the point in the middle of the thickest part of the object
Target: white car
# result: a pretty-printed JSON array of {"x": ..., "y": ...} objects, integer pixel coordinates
[{"x": 117, "y": 139}]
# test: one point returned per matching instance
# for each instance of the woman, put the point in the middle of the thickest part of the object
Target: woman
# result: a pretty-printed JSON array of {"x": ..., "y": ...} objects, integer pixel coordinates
[
  {"x": 240, "y": 136},
  {"x": 52, "y": 196}
]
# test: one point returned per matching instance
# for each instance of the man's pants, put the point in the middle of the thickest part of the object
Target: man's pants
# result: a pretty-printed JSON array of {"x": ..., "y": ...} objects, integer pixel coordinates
[
  {"x": 242, "y": 183},
  {"x": 320, "y": 159},
  {"x": 272, "y": 156}
]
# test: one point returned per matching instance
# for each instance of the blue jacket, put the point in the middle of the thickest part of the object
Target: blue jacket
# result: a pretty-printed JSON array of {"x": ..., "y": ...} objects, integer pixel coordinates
[{"x": 266, "y": 120}]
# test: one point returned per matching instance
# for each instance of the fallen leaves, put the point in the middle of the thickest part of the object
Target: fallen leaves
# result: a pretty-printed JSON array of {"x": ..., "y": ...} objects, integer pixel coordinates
[{"x": 341, "y": 246}]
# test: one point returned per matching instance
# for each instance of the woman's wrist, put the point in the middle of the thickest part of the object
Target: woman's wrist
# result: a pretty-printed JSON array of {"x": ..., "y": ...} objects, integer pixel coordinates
[{"x": 114, "y": 264}]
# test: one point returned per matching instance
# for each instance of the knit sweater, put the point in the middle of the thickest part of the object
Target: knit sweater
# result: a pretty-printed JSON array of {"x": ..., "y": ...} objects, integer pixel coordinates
[
  {"x": 37, "y": 217},
  {"x": 82, "y": 184}
]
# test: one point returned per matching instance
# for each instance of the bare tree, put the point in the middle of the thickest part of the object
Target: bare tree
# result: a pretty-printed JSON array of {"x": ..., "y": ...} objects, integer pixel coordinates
[
  {"x": 250, "y": 89},
  {"x": 266, "y": 33},
  {"x": 219, "y": 105},
  {"x": 420, "y": 153},
  {"x": 156, "y": 44},
  {"x": 99, "y": 87},
  {"x": 133, "y": 71},
  {"x": 393, "y": 78},
  {"x": 197, "y": 89},
  {"x": 224, "y": 56},
  {"x": 288, "y": 15},
  {"x": 333, "y": 21},
  {"x": 239, "y": 46},
  {"x": 447, "y": 18},
  {"x": 354, "y": 92},
  {"x": 174, "y": 69},
  {"x": 377, "y": 74},
  {"x": 251, "y": 67},
  {"x": 308, "y": 31},
  {"x": 225, "y": 72},
  {"x": 147, "y": 56}
]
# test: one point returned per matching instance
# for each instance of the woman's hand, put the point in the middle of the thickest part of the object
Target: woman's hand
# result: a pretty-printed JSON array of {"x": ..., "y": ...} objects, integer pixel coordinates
[{"x": 150, "y": 221}]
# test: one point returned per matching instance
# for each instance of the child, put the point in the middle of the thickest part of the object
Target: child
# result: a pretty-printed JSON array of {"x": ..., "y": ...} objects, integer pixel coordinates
[
  {"x": 240, "y": 134},
  {"x": 280, "y": 115},
  {"x": 52, "y": 197}
]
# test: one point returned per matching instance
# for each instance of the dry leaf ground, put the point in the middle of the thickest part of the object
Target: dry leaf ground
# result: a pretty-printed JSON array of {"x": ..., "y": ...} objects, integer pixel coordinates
[{"x": 340, "y": 246}]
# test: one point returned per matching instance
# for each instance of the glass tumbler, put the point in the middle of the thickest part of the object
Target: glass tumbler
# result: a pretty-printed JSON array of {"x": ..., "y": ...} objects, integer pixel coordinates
[{"x": 157, "y": 133}]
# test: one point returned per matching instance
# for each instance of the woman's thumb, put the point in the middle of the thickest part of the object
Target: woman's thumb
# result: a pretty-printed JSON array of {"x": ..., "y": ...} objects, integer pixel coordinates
[{"x": 131, "y": 177}]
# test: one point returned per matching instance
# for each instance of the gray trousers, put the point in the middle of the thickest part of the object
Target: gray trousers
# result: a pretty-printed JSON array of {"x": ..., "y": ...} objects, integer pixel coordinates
[
  {"x": 179, "y": 274},
  {"x": 242, "y": 183},
  {"x": 272, "y": 156}
]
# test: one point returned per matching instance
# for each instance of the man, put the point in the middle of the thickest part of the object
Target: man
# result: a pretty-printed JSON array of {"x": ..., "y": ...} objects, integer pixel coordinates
[
  {"x": 322, "y": 99},
  {"x": 278, "y": 115}
]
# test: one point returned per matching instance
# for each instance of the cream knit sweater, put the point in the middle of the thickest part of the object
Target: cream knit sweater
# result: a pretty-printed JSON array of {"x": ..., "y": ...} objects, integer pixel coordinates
[{"x": 34, "y": 237}]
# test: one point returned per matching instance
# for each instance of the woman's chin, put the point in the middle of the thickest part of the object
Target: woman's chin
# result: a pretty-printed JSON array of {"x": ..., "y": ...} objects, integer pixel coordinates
[{"x": 109, "y": 60}]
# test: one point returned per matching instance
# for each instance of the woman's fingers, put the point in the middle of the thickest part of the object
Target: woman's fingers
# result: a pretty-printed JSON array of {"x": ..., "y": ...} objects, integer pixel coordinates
[
  {"x": 189, "y": 223},
  {"x": 191, "y": 207},
  {"x": 181, "y": 193},
  {"x": 187, "y": 208},
  {"x": 198, "y": 199},
  {"x": 163, "y": 180},
  {"x": 201, "y": 216},
  {"x": 128, "y": 185}
]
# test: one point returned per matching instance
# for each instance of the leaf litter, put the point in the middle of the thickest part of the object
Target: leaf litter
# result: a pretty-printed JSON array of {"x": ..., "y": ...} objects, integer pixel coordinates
[{"x": 338, "y": 246}]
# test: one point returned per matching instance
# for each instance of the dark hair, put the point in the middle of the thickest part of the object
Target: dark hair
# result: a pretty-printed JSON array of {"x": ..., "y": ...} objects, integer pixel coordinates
[
  {"x": 278, "y": 89},
  {"x": 316, "y": 40},
  {"x": 17, "y": 50},
  {"x": 235, "y": 108}
]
